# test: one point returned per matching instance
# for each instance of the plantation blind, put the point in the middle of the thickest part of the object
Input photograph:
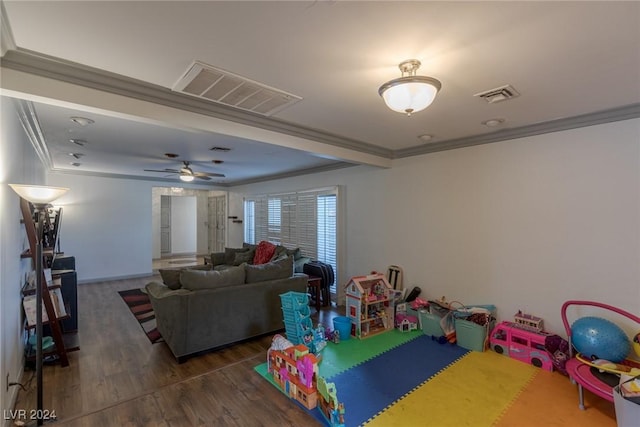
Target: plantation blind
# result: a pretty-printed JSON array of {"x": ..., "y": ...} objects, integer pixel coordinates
[{"x": 304, "y": 219}]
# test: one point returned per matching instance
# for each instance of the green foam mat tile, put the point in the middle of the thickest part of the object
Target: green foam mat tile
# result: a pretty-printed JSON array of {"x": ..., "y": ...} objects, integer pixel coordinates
[{"x": 337, "y": 358}]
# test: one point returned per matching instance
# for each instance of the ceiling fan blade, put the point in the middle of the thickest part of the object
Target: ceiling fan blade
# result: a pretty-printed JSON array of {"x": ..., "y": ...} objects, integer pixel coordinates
[
  {"x": 218, "y": 175},
  {"x": 206, "y": 178},
  {"x": 163, "y": 171}
]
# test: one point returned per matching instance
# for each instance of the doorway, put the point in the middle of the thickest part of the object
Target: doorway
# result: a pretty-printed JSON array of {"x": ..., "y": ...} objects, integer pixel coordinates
[{"x": 209, "y": 222}]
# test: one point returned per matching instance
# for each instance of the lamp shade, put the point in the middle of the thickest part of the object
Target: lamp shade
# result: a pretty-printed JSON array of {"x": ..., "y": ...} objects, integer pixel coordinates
[
  {"x": 186, "y": 177},
  {"x": 409, "y": 94},
  {"x": 38, "y": 194}
]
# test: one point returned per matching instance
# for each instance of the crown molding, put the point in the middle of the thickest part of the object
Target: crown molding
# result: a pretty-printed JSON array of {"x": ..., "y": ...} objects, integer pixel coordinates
[
  {"x": 7, "y": 42},
  {"x": 58, "y": 69},
  {"x": 31, "y": 125},
  {"x": 599, "y": 117}
]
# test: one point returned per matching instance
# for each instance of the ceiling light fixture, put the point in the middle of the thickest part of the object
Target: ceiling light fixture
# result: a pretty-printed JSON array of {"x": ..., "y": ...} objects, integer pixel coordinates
[
  {"x": 491, "y": 123},
  {"x": 80, "y": 142},
  {"x": 409, "y": 93},
  {"x": 186, "y": 174},
  {"x": 425, "y": 138},
  {"x": 82, "y": 121}
]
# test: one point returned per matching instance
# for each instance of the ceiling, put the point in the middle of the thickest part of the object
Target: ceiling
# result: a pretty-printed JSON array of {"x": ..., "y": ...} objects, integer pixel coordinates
[{"x": 573, "y": 64}]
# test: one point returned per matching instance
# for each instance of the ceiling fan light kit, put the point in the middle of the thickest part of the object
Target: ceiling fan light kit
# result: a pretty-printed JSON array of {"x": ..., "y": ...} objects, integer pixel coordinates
[
  {"x": 186, "y": 174},
  {"x": 409, "y": 93}
]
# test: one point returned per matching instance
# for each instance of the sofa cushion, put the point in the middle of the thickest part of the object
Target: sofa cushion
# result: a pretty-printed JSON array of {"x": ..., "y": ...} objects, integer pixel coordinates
[
  {"x": 217, "y": 258},
  {"x": 194, "y": 280},
  {"x": 264, "y": 252},
  {"x": 244, "y": 257},
  {"x": 171, "y": 276},
  {"x": 230, "y": 254},
  {"x": 249, "y": 246},
  {"x": 281, "y": 269}
]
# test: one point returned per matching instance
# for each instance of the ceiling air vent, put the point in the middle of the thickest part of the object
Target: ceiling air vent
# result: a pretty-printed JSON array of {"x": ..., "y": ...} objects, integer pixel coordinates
[
  {"x": 223, "y": 87},
  {"x": 498, "y": 94}
]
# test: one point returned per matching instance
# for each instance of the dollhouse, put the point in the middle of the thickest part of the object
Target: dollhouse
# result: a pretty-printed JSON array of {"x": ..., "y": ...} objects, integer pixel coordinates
[
  {"x": 369, "y": 301},
  {"x": 294, "y": 369}
]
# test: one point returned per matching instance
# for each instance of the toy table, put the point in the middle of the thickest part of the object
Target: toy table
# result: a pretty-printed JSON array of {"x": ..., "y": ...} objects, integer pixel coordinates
[{"x": 581, "y": 372}]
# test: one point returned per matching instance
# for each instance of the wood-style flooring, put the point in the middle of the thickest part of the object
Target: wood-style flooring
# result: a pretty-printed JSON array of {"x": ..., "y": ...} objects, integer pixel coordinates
[{"x": 118, "y": 378}]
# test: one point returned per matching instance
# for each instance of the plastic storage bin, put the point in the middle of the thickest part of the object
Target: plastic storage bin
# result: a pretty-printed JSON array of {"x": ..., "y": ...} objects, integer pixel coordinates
[
  {"x": 342, "y": 324},
  {"x": 471, "y": 335},
  {"x": 627, "y": 412},
  {"x": 431, "y": 325}
]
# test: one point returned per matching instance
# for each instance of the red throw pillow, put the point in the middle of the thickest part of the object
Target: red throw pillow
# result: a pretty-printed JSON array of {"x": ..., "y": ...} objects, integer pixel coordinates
[{"x": 264, "y": 252}]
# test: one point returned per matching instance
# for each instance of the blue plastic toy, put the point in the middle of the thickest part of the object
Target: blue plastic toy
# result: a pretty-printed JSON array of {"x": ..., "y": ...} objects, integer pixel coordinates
[{"x": 597, "y": 338}]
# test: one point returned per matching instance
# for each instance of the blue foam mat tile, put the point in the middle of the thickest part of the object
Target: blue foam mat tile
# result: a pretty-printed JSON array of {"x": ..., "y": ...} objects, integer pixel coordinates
[{"x": 372, "y": 386}]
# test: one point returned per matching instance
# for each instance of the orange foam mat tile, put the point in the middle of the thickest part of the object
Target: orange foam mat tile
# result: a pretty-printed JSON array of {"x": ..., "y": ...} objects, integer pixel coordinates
[{"x": 551, "y": 400}]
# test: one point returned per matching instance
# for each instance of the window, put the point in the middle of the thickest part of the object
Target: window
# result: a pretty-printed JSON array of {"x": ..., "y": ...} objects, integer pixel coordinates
[
  {"x": 249, "y": 221},
  {"x": 305, "y": 219}
]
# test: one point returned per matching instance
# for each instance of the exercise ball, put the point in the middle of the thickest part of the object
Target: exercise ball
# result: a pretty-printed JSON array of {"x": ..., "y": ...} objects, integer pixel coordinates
[{"x": 598, "y": 338}]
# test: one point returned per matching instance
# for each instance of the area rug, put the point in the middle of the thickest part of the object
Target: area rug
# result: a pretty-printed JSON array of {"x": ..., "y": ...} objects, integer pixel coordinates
[
  {"x": 140, "y": 305},
  {"x": 416, "y": 381}
]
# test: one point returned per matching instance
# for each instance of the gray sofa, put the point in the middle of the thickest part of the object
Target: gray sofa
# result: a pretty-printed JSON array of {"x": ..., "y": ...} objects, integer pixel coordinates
[
  {"x": 245, "y": 254},
  {"x": 214, "y": 308}
]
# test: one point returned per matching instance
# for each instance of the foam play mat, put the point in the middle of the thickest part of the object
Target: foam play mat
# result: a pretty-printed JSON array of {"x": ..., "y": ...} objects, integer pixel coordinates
[{"x": 408, "y": 379}]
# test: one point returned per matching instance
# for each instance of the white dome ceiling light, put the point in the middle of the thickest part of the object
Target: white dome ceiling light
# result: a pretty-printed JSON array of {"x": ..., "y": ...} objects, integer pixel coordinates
[{"x": 409, "y": 93}]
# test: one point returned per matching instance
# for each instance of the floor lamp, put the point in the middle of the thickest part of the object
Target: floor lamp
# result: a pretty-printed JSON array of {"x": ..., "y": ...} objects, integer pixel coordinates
[{"x": 40, "y": 197}]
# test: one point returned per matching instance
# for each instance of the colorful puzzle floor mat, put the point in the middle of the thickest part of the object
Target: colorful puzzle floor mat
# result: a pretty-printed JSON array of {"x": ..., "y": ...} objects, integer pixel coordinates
[{"x": 408, "y": 379}]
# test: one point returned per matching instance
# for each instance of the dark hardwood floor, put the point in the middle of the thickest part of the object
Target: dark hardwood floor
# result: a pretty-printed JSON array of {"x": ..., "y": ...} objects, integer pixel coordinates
[{"x": 118, "y": 378}]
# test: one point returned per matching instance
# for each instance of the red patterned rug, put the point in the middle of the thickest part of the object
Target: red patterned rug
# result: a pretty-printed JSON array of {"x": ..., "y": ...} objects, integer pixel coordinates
[{"x": 139, "y": 304}]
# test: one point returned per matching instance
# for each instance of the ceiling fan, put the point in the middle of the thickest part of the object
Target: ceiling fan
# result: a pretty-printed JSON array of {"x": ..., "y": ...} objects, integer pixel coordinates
[{"x": 187, "y": 174}]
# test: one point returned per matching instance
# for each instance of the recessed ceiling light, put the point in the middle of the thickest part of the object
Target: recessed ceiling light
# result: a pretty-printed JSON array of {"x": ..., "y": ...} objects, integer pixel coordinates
[
  {"x": 225, "y": 149},
  {"x": 493, "y": 122},
  {"x": 171, "y": 155},
  {"x": 425, "y": 138},
  {"x": 82, "y": 121},
  {"x": 76, "y": 164},
  {"x": 217, "y": 162},
  {"x": 80, "y": 142},
  {"x": 76, "y": 155}
]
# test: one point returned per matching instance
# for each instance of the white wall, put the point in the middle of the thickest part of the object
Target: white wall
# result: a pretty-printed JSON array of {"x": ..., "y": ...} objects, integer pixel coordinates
[
  {"x": 183, "y": 225},
  {"x": 522, "y": 224},
  {"x": 18, "y": 165}
]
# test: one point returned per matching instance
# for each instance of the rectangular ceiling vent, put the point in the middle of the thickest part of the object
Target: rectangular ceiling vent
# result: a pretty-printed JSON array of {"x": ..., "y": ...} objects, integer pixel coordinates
[
  {"x": 498, "y": 94},
  {"x": 213, "y": 84}
]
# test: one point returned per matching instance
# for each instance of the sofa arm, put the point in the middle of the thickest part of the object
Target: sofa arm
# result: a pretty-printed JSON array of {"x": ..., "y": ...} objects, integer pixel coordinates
[
  {"x": 217, "y": 258},
  {"x": 172, "y": 315},
  {"x": 160, "y": 290}
]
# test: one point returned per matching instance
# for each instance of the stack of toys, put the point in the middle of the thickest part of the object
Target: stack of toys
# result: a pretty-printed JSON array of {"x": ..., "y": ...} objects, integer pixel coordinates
[
  {"x": 297, "y": 316},
  {"x": 295, "y": 372}
]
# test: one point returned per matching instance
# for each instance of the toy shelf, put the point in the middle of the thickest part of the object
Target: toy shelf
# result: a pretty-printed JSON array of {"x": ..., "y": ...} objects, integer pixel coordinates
[{"x": 369, "y": 305}]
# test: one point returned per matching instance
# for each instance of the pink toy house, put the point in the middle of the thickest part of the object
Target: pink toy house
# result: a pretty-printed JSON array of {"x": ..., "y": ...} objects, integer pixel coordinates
[{"x": 294, "y": 370}]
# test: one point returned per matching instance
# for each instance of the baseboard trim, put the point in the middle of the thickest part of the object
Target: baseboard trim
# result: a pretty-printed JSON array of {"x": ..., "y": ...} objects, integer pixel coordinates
[{"x": 106, "y": 279}]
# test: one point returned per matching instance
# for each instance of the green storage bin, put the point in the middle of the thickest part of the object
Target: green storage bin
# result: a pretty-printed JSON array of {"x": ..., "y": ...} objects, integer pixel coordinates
[
  {"x": 472, "y": 336},
  {"x": 431, "y": 324}
]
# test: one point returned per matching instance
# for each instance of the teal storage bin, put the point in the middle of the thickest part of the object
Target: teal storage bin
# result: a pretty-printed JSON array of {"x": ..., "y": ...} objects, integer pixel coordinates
[
  {"x": 431, "y": 324},
  {"x": 342, "y": 324},
  {"x": 472, "y": 336}
]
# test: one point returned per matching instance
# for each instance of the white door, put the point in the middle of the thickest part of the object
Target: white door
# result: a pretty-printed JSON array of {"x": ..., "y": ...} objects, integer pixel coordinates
[
  {"x": 165, "y": 225},
  {"x": 217, "y": 223}
]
